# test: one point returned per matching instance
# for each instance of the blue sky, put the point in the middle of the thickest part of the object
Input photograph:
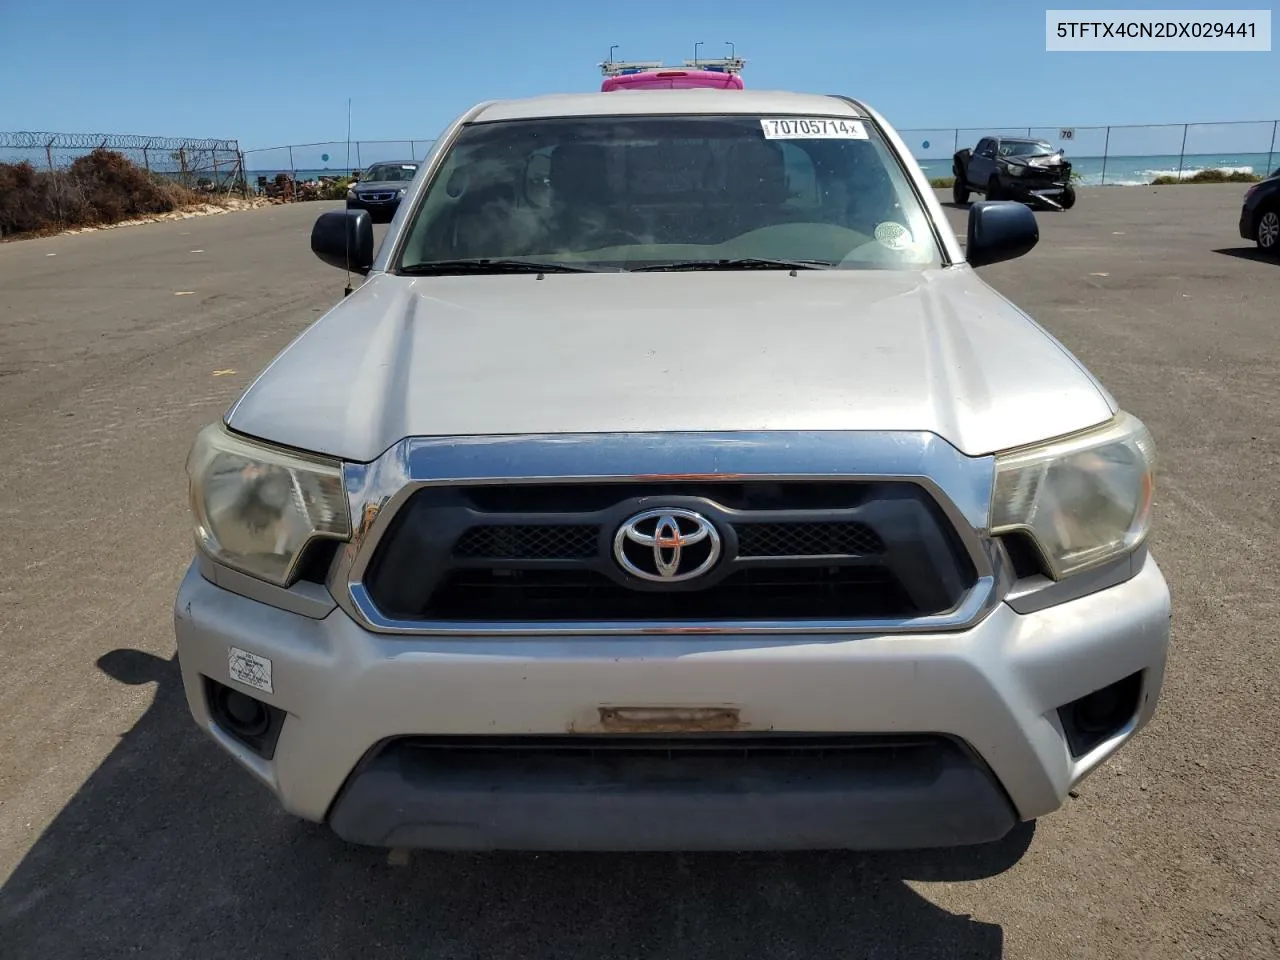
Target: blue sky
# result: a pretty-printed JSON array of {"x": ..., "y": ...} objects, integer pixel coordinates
[{"x": 282, "y": 73}]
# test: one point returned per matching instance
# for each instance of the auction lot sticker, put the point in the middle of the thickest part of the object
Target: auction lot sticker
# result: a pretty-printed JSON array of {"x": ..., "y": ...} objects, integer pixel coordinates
[
  {"x": 812, "y": 128},
  {"x": 249, "y": 669}
]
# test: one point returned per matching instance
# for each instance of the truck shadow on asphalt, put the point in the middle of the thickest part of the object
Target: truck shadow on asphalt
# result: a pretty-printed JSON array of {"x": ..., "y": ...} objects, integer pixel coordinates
[{"x": 168, "y": 850}]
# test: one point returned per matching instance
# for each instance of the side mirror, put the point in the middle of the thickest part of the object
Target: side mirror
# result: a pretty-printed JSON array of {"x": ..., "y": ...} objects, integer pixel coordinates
[
  {"x": 344, "y": 239},
  {"x": 1000, "y": 230}
]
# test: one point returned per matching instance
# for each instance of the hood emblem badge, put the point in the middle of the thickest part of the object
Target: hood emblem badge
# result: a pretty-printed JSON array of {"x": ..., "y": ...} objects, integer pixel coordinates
[{"x": 667, "y": 545}]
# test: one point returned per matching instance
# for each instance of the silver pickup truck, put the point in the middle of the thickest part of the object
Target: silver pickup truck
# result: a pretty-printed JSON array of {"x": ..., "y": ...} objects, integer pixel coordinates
[{"x": 671, "y": 481}]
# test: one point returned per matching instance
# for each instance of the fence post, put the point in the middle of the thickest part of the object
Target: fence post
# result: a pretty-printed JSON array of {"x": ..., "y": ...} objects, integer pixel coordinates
[
  {"x": 1182, "y": 150},
  {"x": 146, "y": 161},
  {"x": 54, "y": 182},
  {"x": 244, "y": 174},
  {"x": 293, "y": 174},
  {"x": 1271, "y": 152},
  {"x": 955, "y": 147},
  {"x": 413, "y": 151},
  {"x": 1106, "y": 147},
  {"x": 1028, "y": 133},
  {"x": 359, "y": 163}
]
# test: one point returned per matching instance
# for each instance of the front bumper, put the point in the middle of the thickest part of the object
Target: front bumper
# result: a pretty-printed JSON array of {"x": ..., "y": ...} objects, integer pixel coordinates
[
  {"x": 1248, "y": 228},
  {"x": 986, "y": 699},
  {"x": 1034, "y": 184}
]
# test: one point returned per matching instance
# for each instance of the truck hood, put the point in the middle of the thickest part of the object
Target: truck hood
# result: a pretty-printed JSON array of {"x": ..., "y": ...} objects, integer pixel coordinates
[{"x": 935, "y": 350}]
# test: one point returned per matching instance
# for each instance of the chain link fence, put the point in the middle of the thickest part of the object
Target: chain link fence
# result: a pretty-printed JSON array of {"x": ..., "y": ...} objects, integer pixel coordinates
[
  {"x": 59, "y": 180},
  {"x": 1123, "y": 155},
  {"x": 1100, "y": 155},
  {"x": 285, "y": 170},
  {"x": 202, "y": 165}
]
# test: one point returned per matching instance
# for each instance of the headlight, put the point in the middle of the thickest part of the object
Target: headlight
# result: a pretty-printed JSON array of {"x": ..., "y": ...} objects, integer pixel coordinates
[
  {"x": 1084, "y": 500},
  {"x": 1015, "y": 169},
  {"x": 257, "y": 507}
]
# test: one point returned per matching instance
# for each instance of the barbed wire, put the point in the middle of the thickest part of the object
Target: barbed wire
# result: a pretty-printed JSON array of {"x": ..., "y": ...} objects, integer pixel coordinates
[
  {"x": 429, "y": 141},
  {"x": 31, "y": 140}
]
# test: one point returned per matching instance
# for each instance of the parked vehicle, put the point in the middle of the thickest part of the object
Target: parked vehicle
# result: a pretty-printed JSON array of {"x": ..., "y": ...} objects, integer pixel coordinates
[
  {"x": 1260, "y": 215},
  {"x": 1014, "y": 168},
  {"x": 381, "y": 188},
  {"x": 693, "y": 493}
]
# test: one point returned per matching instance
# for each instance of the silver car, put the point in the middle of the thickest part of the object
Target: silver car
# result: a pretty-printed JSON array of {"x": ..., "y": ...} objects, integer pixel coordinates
[{"x": 671, "y": 481}]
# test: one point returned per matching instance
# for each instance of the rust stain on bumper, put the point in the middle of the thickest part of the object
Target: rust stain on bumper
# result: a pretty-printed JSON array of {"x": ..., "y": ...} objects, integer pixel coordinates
[{"x": 670, "y": 719}]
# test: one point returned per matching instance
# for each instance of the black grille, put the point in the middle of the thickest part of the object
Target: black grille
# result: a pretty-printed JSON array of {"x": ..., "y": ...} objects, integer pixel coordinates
[
  {"x": 543, "y": 553},
  {"x": 807, "y": 540},
  {"x": 528, "y": 542},
  {"x": 796, "y": 593}
]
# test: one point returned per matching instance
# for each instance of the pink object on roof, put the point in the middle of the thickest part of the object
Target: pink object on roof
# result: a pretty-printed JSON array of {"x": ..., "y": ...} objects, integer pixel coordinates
[{"x": 672, "y": 80}]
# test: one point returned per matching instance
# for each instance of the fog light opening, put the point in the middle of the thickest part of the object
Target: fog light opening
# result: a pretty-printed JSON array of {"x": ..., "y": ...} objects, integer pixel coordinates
[
  {"x": 1100, "y": 715},
  {"x": 247, "y": 719},
  {"x": 245, "y": 715}
]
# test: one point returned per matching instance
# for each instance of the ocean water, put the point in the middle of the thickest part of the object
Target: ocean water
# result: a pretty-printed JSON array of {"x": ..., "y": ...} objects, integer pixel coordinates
[{"x": 1139, "y": 171}]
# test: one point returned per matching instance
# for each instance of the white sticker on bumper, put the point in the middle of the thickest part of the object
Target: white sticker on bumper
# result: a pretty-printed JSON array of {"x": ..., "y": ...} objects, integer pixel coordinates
[{"x": 249, "y": 669}]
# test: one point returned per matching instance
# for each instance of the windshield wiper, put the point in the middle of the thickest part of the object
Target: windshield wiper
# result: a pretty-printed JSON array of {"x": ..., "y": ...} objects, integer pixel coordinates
[
  {"x": 486, "y": 265},
  {"x": 735, "y": 263}
]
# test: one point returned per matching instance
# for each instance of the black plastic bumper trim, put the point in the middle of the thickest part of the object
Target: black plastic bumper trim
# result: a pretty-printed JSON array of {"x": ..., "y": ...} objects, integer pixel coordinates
[{"x": 588, "y": 794}]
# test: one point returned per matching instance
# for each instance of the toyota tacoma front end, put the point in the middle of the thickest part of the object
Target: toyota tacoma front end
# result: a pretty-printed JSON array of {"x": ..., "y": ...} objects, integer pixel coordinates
[{"x": 673, "y": 482}]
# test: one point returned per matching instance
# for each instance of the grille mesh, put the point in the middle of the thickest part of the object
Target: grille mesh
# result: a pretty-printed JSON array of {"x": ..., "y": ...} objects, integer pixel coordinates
[
  {"x": 528, "y": 542},
  {"x": 807, "y": 540}
]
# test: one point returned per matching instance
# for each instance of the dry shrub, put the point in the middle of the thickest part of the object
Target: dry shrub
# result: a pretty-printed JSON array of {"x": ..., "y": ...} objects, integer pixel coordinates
[
  {"x": 99, "y": 188},
  {"x": 116, "y": 189},
  {"x": 24, "y": 198}
]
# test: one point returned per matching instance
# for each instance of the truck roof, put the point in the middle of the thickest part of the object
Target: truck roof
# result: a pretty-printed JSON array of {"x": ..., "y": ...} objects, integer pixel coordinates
[{"x": 695, "y": 101}]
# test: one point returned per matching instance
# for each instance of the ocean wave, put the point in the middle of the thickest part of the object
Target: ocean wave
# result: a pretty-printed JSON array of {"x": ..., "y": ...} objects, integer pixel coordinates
[{"x": 1186, "y": 174}]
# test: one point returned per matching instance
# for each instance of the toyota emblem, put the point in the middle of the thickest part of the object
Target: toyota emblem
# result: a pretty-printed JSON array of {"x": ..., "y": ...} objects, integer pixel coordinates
[{"x": 667, "y": 545}]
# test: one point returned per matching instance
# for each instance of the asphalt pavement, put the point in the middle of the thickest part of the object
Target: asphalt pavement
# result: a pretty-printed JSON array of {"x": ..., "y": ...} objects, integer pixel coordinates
[{"x": 123, "y": 833}]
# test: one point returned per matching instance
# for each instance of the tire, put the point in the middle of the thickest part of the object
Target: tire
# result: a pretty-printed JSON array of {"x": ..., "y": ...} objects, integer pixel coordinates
[
  {"x": 960, "y": 191},
  {"x": 1067, "y": 199},
  {"x": 1267, "y": 232},
  {"x": 993, "y": 189}
]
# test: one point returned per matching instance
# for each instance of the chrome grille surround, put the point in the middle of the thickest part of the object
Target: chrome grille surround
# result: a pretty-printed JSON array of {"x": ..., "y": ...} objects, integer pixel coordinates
[{"x": 960, "y": 485}]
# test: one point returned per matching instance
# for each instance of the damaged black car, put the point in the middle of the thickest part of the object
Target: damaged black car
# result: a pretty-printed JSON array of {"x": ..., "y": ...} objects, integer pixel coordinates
[{"x": 1014, "y": 168}]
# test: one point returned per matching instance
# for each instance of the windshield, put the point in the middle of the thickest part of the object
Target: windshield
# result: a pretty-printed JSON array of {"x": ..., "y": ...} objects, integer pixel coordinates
[
  {"x": 1025, "y": 148},
  {"x": 639, "y": 191},
  {"x": 390, "y": 172}
]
